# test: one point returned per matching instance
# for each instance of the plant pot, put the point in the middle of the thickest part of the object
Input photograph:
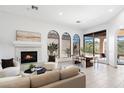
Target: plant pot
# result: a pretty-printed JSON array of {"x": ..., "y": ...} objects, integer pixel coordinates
[{"x": 51, "y": 58}]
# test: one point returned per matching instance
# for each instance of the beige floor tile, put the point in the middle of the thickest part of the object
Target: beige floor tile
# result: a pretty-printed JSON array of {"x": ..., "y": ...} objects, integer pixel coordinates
[{"x": 105, "y": 76}]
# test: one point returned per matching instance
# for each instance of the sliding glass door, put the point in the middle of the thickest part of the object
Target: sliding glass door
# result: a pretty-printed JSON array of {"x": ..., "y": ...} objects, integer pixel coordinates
[
  {"x": 120, "y": 46},
  {"x": 88, "y": 44},
  {"x": 100, "y": 43},
  {"x": 95, "y": 43}
]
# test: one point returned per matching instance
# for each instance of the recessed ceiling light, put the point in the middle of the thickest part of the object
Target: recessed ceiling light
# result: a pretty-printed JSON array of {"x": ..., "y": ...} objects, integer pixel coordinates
[
  {"x": 78, "y": 21},
  {"x": 110, "y": 10},
  {"x": 60, "y": 13}
]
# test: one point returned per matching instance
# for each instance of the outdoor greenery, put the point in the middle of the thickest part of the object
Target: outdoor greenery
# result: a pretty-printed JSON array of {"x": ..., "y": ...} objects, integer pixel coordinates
[
  {"x": 31, "y": 66},
  {"x": 89, "y": 47},
  {"x": 82, "y": 49},
  {"x": 120, "y": 47},
  {"x": 97, "y": 49}
]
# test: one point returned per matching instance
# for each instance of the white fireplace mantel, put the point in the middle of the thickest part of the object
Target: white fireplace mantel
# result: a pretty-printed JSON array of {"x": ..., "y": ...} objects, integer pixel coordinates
[{"x": 26, "y": 44}]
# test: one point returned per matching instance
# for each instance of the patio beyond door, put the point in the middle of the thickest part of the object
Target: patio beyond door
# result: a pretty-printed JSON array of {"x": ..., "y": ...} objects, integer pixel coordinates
[{"x": 95, "y": 44}]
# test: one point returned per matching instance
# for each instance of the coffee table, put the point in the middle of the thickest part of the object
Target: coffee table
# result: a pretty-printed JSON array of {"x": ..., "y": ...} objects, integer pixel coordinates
[
  {"x": 37, "y": 70},
  {"x": 27, "y": 74}
]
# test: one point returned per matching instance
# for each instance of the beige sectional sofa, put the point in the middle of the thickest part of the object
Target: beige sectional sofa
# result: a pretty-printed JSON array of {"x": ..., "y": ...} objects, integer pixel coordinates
[{"x": 66, "y": 78}]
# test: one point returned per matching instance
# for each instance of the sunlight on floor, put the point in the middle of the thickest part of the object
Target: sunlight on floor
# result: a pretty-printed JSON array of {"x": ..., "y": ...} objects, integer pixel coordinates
[{"x": 104, "y": 76}]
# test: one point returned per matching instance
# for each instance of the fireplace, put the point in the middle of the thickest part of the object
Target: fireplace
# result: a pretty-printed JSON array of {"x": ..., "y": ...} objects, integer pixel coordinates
[{"x": 28, "y": 56}]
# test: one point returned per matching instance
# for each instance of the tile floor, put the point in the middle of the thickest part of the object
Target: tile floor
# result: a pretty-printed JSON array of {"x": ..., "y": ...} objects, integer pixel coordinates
[{"x": 104, "y": 76}]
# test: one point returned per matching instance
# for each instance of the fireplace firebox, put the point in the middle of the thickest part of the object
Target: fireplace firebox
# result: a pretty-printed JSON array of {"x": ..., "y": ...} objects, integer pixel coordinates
[{"x": 28, "y": 56}]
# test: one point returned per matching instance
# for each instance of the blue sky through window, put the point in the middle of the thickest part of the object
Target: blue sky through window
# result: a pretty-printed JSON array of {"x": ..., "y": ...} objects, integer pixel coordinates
[
  {"x": 76, "y": 39},
  {"x": 120, "y": 38}
]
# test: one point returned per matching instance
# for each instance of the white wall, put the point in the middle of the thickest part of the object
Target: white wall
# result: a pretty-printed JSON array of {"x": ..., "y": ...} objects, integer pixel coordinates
[
  {"x": 9, "y": 23},
  {"x": 112, "y": 27}
]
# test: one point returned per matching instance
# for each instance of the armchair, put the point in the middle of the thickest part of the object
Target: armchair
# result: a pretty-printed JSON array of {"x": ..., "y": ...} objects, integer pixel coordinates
[
  {"x": 102, "y": 58},
  {"x": 10, "y": 71}
]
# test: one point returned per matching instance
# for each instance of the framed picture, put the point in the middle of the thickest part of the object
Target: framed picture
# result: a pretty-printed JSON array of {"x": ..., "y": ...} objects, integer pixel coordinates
[{"x": 28, "y": 36}]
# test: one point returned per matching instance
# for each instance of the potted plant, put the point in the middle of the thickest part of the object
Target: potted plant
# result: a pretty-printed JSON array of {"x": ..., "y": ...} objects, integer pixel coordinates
[
  {"x": 52, "y": 48},
  {"x": 68, "y": 52},
  {"x": 31, "y": 67},
  {"x": 82, "y": 51}
]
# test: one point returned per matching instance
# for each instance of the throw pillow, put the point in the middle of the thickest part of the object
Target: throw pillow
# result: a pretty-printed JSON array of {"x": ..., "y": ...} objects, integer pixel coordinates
[{"x": 7, "y": 63}]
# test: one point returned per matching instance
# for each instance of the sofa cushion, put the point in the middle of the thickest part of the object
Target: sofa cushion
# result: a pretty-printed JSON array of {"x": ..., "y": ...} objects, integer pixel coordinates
[
  {"x": 50, "y": 66},
  {"x": 78, "y": 81},
  {"x": 7, "y": 63},
  {"x": 0, "y": 67},
  {"x": 69, "y": 72},
  {"x": 44, "y": 79},
  {"x": 16, "y": 83}
]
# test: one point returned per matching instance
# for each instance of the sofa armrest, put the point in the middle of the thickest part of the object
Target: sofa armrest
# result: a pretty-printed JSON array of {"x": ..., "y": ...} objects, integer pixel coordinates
[
  {"x": 2, "y": 74},
  {"x": 17, "y": 64},
  {"x": 11, "y": 71}
]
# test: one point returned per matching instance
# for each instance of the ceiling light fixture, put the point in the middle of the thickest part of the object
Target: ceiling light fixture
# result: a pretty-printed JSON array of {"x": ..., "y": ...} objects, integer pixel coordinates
[
  {"x": 78, "y": 21},
  {"x": 110, "y": 10},
  {"x": 60, "y": 13}
]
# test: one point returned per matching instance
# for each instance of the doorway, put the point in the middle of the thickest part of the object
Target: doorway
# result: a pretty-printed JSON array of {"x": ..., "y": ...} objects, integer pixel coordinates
[
  {"x": 95, "y": 45},
  {"x": 120, "y": 47}
]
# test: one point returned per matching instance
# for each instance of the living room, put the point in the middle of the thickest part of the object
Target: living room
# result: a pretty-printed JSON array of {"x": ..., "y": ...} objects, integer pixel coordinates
[{"x": 60, "y": 45}]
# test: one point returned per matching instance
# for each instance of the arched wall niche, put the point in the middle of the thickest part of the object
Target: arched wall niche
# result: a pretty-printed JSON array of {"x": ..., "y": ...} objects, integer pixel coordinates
[
  {"x": 66, "y": 45},
  {"x": 53, "y": 45},
  {"x": 76, "y": 45}
]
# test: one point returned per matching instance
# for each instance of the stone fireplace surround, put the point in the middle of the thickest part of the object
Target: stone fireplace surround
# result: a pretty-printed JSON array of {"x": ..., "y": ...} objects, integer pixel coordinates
[
  {"x": 18, "y": 51},
  {"x": 27, "y": 46},
  {"x": 28, "y": 56}
]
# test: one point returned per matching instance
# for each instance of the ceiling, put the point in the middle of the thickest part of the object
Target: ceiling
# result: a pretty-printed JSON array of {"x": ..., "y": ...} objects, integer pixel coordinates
[{"x": 67, "y": 15}]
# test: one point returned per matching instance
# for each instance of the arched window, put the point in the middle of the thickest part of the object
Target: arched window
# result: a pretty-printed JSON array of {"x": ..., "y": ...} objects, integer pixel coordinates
[
  {"x": 66, "y": 45},
  {"x": 76, "y": 45},
  {"x": 53, "y": 45}
]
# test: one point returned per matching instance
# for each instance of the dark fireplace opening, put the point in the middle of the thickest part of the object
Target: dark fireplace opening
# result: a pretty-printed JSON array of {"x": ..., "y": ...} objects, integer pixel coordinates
[{"x": 28, "y": 56}]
